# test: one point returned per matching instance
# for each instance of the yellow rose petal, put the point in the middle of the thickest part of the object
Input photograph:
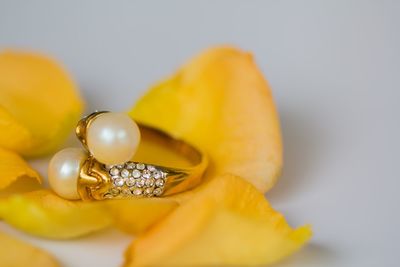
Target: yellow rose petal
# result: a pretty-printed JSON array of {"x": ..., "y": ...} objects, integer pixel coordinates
[
  {"x": 221, "y": 103},
  {"x": 137, "y": 215},
  {"x": 228, "y": 223},
  {"x": 39, "y": 103},
  {"x": 44, "y": 214},
  {"x": 15, "y": 253},
  {"x": 13, "y": 167}
]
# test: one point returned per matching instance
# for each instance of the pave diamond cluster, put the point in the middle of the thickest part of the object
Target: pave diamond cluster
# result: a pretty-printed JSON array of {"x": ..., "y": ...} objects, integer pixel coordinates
[{"x": 135, "y": 179}]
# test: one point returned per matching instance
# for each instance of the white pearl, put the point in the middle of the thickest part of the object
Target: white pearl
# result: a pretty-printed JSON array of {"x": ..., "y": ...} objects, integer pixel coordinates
[
  {"x": 64, "y": 170},
  {"x": 113, "y": 138}
]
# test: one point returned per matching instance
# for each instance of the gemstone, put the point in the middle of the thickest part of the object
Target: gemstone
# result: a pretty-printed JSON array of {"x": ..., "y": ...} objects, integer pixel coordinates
[
  {"x": 136, "y": 173},
  {"x": 146, "y": 174},
  {"x": 130, "y": 181},
  {"x": 149, "y": 182},
  {"x": 108, "y": 167},
  {"x": 125, "y": 173},
  {"x": 148, "y": 191},
  {"x": 137, "y": 192},
  {"x": 157, "y": 191},
  {"x": 114, "y": 171},
  {"x": 157, "y": 174},
  {"x": 130, "y": 165},
  {"x": 114, "y": 191},
  {"x": 151, "y": 168},
  {"x": 126, "y": 191},
  {"x": 140, "y": 182},
  {"x": 140, "y": 166},
  {"x": 120, "y": 166},
  {"x": 160, "y": 182},
  {"x": 119, "y": 181}
]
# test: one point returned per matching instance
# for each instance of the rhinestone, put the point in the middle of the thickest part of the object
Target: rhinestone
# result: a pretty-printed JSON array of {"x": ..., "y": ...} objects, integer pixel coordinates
[
  {"x": 157, "y": 191},
  {"x": 160, "y": 182},
  {"x": 126, "y": 191},
  {"x": 140, "y": 166},
  {"x": 108, "y": 195},
  {"x": 136, "y": 173},
  {"x": 151, "y": 168},
  {"x": 108, "y": 167},
  {"x": 114, "y": 191},
  {"x": 119, "y": 181},
  {"x": 146, "y": 174},
  {"x": 114, "y": 171},
  {"x": 130, "y": 181},
  {"x": 130, "y": 165},
  {"x": 157, "y": 174},
  {"x": 125, "y": 173},
  {"x": 148, "y": 191},
  {"x": 120, "y": 166},
  {"x": 137, "y": 192},
  {"x": 149, "y": 182},
  {"x": 140, "y": 182}
]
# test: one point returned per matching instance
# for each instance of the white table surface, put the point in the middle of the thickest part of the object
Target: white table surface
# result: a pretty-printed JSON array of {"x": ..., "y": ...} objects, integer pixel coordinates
[{"x": 334, "y": 70}]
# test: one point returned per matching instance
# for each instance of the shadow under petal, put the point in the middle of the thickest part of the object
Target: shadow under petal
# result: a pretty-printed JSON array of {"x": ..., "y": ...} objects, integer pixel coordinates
[
  {"x": 302, "y": 140},
  {"x": 311, "y": 255}
]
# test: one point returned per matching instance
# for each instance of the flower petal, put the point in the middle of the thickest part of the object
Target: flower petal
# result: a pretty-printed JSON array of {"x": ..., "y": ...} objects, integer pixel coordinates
[
  {"x": 39, "y": 103},
  {"x": 228, "y": 223},
  {"x": 43, "y": 213},
  {"x": 221, "y": 102},
  {"x": 137, "y": 215},
  {"x": 16, "y": 253},
  {"x": 13, "y": 167}
]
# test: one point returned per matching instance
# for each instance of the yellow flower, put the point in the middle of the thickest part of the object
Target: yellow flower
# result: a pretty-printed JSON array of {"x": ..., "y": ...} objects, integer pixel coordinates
[
  {"x": 13, "y": 167},
  {"x": 219, "y": 102},
  {"x": 226, "y": 223},
  {"x": 44, "y": 214},
  {"x": 16, "y": 253},
  {"x": 39, "y": 103}
]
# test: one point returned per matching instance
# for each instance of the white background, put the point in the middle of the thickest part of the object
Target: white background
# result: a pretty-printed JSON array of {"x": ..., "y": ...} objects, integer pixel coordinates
[{"x": 333, "y": 67}]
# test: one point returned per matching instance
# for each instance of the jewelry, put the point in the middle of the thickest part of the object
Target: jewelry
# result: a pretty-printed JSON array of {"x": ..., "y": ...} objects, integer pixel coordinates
[{"x": 103, "y": 170}]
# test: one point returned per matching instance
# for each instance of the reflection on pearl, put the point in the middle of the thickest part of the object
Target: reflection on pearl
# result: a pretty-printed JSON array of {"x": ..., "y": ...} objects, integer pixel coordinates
[
  {"x": 64, "y": 170},
  {"x": 113, "y": 138}
]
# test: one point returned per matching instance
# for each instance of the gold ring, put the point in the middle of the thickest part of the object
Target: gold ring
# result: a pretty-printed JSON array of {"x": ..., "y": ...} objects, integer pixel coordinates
[{"x": 97, "y": 180}]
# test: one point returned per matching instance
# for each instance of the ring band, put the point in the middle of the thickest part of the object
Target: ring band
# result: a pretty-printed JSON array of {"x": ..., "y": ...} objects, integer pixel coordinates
[{"x": 98, "y": 181}]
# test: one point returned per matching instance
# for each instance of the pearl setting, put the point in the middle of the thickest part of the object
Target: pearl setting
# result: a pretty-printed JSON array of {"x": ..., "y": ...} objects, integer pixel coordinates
[
  {"x": 111, "y": 138},
  {"x": 104, "y": 169},
  {"x": 64, "y": 170}
]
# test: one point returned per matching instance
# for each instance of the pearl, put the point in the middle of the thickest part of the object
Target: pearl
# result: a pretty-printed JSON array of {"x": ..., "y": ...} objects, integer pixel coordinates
[
  {"x": 64, "y": 170},
  {"x": 113, "y": 138}
]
